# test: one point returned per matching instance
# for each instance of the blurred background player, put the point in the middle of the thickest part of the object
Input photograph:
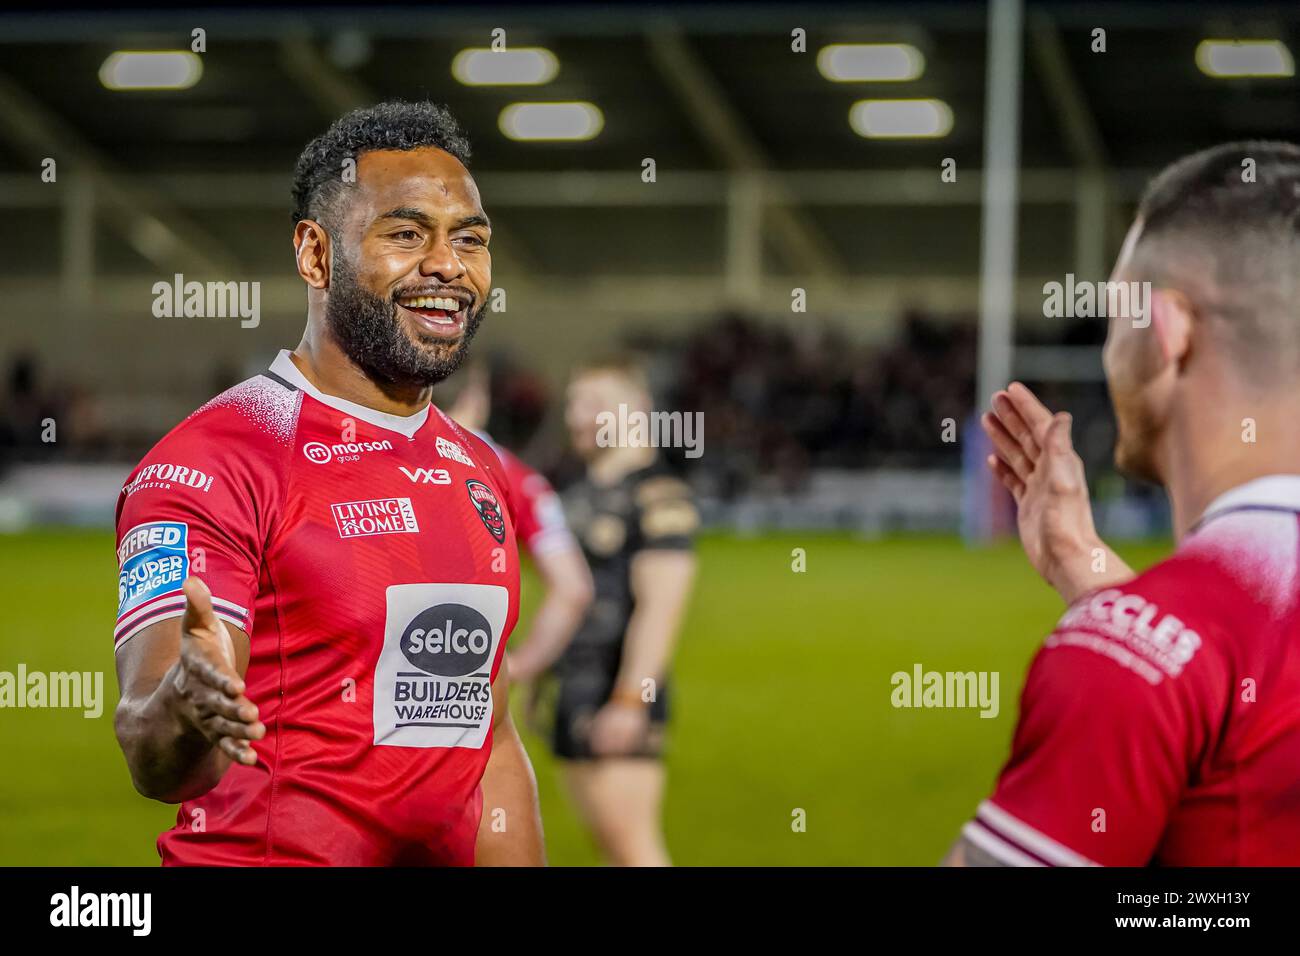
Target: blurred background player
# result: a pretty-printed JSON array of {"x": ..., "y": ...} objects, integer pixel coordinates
[
  {"x": 635, "y": 521},
  {"x": 542, "y": 533},
  {"x": 1160, "y": 723}
]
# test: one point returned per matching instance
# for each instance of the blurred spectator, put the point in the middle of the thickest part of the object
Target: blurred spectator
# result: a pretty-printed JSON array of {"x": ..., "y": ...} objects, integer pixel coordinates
[{"x": 777, "y": 403}]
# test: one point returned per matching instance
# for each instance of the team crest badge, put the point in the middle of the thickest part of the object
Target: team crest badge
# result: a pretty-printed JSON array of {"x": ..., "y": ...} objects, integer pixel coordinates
[{"x": 488, "y": 508}]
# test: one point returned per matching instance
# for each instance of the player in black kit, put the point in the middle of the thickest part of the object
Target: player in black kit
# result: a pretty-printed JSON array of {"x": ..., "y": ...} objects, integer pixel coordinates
[{"x": 635, "y": 522}]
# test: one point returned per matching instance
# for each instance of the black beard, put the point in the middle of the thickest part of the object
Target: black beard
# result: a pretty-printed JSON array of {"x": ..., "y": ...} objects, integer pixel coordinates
[{"x": 367, "y": 328}]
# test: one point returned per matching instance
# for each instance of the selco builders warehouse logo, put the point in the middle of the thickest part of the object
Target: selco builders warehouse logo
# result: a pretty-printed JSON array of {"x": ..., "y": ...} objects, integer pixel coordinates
[
  {"x": 450, "y": 640},
  {"x": 433, "y": 683},
  {"x": 153, "y": 559}
]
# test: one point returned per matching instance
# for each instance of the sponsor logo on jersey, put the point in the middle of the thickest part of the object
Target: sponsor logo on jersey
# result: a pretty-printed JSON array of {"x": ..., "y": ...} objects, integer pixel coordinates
[
  {"x": 605, "y": 534},
  {"x": 165, "y": 474},
  {"x": 449, "y": 449},
  {"x": 427, "y": 476},
  {"x": 1145, "y": 636},
  {"x": 359, "y": 519},
  {"x": 433, "y": 680},
  {"x": 450, "y": 640},
  {"x": 153, "y": 560},
  {"x": 488, "y": 508},
  {"x": 321, "y": 453}
]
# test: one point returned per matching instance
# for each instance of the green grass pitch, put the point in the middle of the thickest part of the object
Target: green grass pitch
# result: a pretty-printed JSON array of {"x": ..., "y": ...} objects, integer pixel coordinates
[{"x": 782, "y": 703}]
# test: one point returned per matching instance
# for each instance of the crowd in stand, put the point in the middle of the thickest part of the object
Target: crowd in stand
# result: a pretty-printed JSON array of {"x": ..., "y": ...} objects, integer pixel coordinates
[{"x": 778, "y": 401}]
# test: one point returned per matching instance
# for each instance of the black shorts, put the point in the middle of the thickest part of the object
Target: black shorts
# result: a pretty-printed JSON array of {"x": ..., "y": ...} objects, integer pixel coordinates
[{"x": 584, "y": 682}]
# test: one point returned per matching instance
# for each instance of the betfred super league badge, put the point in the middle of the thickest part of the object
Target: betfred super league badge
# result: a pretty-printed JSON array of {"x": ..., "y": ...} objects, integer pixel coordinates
[{"x": 488, "y": 508}]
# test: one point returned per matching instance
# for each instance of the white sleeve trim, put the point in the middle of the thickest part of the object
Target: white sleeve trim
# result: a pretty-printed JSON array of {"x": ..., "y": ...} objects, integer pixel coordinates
[
  {"x": 996, "y": 847},
  {"x": 227, "y": 611},
  {"x": 1016, "y": 830},
  {"x": 551, "y": 540}
]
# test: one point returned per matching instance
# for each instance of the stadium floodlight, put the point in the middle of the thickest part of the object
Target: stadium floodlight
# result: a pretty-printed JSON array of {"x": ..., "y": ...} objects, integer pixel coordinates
[
  {"x": 150, "y": 70},
  {"x": 901, "y": 119},
  {"x": 870, "y": 62},
  {"x": 522, "y": 66},
  {"x": 1240, "y": 58},
  {"x": 551, "y": 122}
]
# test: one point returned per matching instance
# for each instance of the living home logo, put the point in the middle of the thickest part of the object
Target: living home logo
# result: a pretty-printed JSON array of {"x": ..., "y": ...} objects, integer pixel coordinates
[
  {"x": 359, "y": 519},
  {"x": 57, "y": 690},
  {"x": 633, "y": 428},
  {"x": 75, "y": 909},
  {"x": 321, "y": 453},
  {"x": 946, "y": 689},
  {"x": 1098, "y": 300},
  {"x": 208, "y": 300}
]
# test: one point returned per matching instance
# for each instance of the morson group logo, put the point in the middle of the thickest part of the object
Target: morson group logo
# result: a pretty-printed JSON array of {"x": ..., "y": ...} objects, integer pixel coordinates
[
  {"x": 449, "y": 640},
  {"x": 321, "y": 453},
  {"x": 488, "y": 508}
]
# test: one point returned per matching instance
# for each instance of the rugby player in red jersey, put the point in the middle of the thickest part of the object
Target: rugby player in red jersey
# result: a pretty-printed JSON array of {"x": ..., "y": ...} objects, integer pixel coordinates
[
  {"x": 1160, "y": 722},
  {"x": 318, "y": 567}
]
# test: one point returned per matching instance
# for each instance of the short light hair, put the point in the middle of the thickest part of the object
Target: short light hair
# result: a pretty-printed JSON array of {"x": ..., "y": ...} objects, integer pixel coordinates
[
  {"x": 1223, "y": 227},
  {"x": 625, "y": 365}
]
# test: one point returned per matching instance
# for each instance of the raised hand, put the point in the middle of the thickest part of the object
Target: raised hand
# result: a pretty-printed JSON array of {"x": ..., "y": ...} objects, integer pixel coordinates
[{"x": 1035, "y": 460}]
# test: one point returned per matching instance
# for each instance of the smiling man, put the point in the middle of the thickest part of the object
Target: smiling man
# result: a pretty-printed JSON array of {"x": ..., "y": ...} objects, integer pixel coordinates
[{"x": 318, "y": 572}]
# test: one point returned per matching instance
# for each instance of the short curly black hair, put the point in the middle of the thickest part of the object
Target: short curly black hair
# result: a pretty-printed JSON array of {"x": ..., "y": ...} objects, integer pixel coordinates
[{"x": 318, "y": 175}]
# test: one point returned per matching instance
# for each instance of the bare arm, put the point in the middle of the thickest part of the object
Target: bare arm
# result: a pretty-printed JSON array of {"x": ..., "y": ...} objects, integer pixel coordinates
[
  {"x": 182, "y": 717},
  {"x": 966, "y": 853},
  {"x": 510, "y": 830},
  {"x": 661, "y": 585},
  {"x": 569, "y": 593}
]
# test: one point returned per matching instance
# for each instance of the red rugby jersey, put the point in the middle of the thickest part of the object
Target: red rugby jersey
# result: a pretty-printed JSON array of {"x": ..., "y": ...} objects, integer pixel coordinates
[
  {"x": 537, "y": 509},
  {"x": 371, "y": 558},
  {"x": 1160, "y": 723}
]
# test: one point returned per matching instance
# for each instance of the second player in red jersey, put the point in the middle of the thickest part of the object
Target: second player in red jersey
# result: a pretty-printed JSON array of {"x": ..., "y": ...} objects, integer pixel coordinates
[{"x": 1160, "y": 722}]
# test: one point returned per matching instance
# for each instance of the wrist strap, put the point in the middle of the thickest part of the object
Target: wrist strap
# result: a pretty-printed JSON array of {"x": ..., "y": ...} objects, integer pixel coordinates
[{"x": 626, "y": 697}]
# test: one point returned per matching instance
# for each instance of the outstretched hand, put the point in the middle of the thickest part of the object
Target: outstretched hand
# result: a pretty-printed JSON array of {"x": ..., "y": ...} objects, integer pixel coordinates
[{"x": 209, "y": 690}]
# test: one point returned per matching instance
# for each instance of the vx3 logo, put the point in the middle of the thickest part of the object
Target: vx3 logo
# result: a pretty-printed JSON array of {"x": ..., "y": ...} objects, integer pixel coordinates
[{"x": 427, "y": 476}]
